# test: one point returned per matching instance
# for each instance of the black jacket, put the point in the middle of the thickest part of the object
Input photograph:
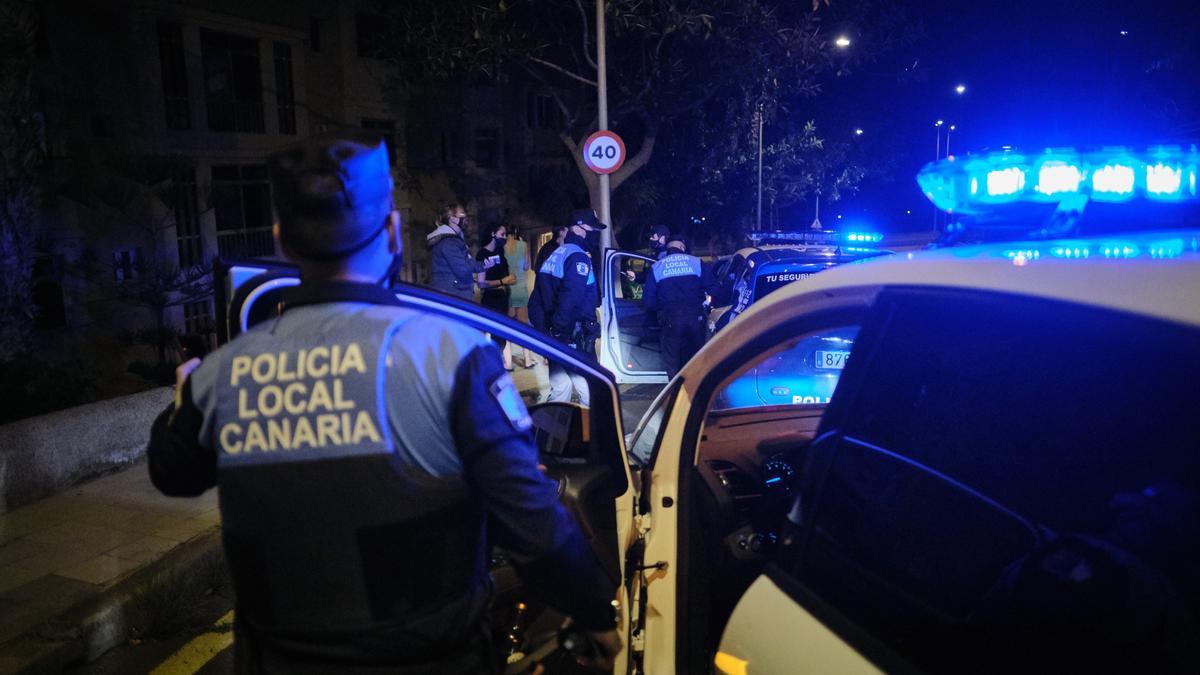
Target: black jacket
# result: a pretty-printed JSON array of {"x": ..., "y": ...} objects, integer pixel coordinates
[
  {"x": 371, "y": 557},
  {"x": 564, "y": 294},
  {"x": 452, "y": 267}
]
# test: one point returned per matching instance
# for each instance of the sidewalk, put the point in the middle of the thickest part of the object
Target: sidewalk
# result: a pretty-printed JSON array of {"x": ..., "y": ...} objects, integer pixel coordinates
[{"x": 76, "y": 554}]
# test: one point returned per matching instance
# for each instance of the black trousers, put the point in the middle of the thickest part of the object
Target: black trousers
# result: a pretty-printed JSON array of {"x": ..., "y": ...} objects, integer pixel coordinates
[{"x": 682, "y": 337}]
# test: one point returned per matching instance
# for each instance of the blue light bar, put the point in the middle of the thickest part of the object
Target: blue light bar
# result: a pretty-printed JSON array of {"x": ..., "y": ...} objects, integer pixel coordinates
[
  {"x": 973, "y": 183},
  {"x": 863, "y": 237}
]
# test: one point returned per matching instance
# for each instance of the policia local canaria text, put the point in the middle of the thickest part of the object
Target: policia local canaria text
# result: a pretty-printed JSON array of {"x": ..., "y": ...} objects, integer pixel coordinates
[{"x": 297, "y": 400}]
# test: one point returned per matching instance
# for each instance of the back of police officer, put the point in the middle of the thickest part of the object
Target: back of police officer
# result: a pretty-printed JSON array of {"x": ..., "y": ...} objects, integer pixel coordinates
[
  {"x": 563, "y": 302},
  {"x": 675, "y": 292},
  {"x": 359, "y": 448}
]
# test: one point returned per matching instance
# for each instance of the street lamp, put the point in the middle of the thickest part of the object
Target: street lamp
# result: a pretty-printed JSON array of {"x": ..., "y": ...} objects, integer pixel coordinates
[
  {"x": 842, "y": 42},
  {"x": 937, "y": 135},
  {"x": 858, "y": 132},
  {"x": 960, "y": 89},
  {"x": 952, "y": 128}
]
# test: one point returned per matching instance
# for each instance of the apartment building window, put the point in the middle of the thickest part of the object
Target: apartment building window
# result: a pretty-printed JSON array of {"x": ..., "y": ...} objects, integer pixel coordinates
[
  {"x": 187, "y": 220},
  {"x": 285, "y": 90},
  {"x": 314, "y": 34},
  {"x": 487, "y": 147},
  {"x": 373, "y": 33},
  {"x": 232, "y": 82},
  {"x": 241, "y": 199},
  {"x": 174, "y": 75},
  {"x": 386, "y": 130},
  {"x": 125, "y": 264}
]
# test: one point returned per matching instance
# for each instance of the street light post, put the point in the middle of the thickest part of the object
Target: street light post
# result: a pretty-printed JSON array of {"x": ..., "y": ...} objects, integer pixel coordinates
[
  {"x": 602, "y": 105},
  {"x": 758, "y": 226},
  {"x": 952, "y": 128}
]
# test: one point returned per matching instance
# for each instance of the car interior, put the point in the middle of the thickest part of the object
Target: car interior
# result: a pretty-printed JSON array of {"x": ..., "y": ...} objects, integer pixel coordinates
[{"x": 751, "y": 449}]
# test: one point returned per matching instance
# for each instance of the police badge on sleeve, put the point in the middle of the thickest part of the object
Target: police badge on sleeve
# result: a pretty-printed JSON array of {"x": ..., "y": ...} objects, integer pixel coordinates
[
  {"x": 504, "y": 390},
  {"x": 582, "y": 268}
]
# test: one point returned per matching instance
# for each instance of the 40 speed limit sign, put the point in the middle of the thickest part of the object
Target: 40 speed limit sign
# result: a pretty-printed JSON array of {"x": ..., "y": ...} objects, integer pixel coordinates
[{"x": 604, "y": 152}]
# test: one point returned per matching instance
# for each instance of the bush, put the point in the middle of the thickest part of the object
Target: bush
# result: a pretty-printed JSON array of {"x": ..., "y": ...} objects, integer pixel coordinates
[{"x": 31, "y": 386}]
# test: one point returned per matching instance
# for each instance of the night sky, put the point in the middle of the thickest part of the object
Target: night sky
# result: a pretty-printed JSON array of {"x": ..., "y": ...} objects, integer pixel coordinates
[{"x": 1038, "y": 74}]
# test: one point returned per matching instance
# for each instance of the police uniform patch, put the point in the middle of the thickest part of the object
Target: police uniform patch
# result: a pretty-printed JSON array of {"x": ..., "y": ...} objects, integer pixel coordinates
[
  {"x": 504, "y": 390},
  {"x": 582, "y": 269}
]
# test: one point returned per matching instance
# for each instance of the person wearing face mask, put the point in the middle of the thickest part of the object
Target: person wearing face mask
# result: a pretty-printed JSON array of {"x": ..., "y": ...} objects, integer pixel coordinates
[
  {"x": 453, "y": 268},
  {"x": 356, "y": 523},
  {"x": 563, "y": 302},
  {"x": 496, "y": 282}
]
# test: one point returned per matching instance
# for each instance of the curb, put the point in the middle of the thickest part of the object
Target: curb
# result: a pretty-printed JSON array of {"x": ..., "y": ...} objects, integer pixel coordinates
[{"x": 92, "y": 627}]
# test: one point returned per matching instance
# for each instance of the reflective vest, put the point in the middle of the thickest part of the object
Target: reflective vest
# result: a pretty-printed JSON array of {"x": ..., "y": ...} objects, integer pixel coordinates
[{"x": 328, "y": 536}]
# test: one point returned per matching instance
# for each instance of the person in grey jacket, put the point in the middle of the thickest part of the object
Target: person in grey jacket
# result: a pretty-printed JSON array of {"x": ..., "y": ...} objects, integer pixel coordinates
[{"x": 453, "y": 268}]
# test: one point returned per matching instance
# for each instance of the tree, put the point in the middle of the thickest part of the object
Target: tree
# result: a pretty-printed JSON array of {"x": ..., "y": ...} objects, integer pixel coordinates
[
  {"x": 666, "y": 59},
  {"x": 20, "y": 161},
  {"x": 138, "y": 196}
]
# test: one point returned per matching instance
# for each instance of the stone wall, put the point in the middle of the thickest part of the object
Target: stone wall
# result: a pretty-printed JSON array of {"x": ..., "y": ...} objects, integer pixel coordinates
[{"x": 41, "y": 456}]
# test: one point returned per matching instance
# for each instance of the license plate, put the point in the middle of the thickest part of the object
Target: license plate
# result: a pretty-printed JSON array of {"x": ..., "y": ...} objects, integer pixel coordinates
[{"x": 832, "y": 360}]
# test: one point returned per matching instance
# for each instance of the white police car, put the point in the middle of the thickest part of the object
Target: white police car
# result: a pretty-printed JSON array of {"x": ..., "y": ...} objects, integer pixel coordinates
[
  {"x": 1006, "y": 476},
  {"x": 629, "y": 348}
]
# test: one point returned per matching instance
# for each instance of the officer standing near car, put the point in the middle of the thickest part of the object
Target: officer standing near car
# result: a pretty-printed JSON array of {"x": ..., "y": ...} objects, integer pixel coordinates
[
  {"x": 365, "y": 454},
  {"x": 676, "y": 292},
  {"x": 563, "y": 302}
]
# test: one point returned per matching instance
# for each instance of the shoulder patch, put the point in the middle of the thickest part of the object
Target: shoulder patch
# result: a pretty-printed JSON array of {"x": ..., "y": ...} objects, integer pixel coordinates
[
  {"x": 504, "y": 390},
  {"x": 582, "y": 268}
]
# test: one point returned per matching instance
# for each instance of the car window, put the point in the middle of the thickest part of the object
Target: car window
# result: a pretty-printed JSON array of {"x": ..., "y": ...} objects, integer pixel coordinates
[
  {"x": 772, "y": 278},
  {"x": 1055, "y": 413},
  {"x": 804, "y": 373},
  {"x": 645, "y": 438}
]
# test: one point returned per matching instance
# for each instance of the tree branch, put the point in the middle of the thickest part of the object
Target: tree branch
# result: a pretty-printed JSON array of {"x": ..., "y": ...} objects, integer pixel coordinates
[
  {"x": 637, "y": 161},
  {"x": 562, "y": 70},
  {"x": 586, "y": 53}
]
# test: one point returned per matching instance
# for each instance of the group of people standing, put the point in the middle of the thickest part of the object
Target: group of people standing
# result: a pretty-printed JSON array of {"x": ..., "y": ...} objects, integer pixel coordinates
[
  {"x": 498, "y": 268},
  {"x": 564, "y": 297}
]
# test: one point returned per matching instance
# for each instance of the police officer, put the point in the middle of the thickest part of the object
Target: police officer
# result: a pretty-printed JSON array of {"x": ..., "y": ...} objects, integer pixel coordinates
[
  {"x": 659, "y": 236},
  {"x": 360, "y": 449},
  {"x": 675, "y": 291},
  {"x": 563, "y": 302}
]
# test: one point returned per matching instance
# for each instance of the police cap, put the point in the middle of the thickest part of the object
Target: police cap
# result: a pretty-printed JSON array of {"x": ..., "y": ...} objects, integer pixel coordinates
[
  {"x": 332, "y": 194},
  {"x": 586, "y": 217}
]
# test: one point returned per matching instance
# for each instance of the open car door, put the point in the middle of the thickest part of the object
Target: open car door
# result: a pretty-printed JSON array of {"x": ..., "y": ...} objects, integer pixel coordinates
[
  {"x": 629, "y": 337},
  {"x": 581, "y": 445}
]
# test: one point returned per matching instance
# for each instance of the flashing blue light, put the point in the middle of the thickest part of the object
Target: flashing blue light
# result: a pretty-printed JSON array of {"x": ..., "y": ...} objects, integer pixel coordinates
[
  {"x": 864, "y": 237},
  {"x": 1071, "y": 252},
  {"x": 1169, "y": 248},
  {"x": 1008, "y": 181},
  {"x": 773, "y": 480},
  {"x": 973, "y": 184},
  {"x": 1113, "y": 179},
  {"x": 1058, "y": 178},
  {"x": 1120, "y": 249},
  {"x": 1163, "y": 180}
]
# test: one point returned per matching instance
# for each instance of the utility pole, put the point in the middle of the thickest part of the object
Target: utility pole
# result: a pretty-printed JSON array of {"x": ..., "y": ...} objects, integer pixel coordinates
[
  {"x": 760, "y": 143},
  {"x": 606, "y": 235}
]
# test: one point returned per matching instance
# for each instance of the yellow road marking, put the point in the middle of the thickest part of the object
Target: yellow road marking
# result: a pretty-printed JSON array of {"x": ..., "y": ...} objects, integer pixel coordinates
[{"x": 191, "y": 657}]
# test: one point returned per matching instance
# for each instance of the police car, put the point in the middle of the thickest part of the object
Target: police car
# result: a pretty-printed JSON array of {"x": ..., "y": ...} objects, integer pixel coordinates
[
  {"x": 629, "y": 347},
  {"x": 1005, "y": 478}
]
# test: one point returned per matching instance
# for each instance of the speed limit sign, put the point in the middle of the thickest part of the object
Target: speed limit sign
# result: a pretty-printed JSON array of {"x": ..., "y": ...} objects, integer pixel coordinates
[{"x": 604, "y": 152}]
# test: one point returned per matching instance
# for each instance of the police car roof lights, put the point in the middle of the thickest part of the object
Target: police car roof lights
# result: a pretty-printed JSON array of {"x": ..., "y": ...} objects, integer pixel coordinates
[
  {"x": 815, "y": 237},
  {"x": 974, "y": 184}
]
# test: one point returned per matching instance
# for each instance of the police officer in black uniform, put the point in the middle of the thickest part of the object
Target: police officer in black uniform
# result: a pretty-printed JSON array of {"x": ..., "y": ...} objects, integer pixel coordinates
[
  {"x": 676, "y": 291},
  {"x": 354, "y": 522},
  {"x": 563, "y": 302}
]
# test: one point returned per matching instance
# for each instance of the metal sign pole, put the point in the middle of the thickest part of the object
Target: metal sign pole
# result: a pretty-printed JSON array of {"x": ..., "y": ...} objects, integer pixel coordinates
[{"x": 602, "y": 105}]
